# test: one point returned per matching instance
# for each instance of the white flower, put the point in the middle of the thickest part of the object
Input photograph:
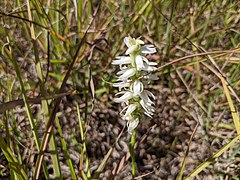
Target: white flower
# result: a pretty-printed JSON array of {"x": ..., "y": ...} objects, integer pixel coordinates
[
  {"x": 131, "y": 108},
  {"x": 122, "y": 60},
  {"x": 124, "y": 98},
  {"x": 149, "y": 110},
  {"x": 132, "y": 44},
  {"x": 132, "y": 124},
  {"x": 139, "y": 62},
  {"x": 136, "y": 87},
  {"x": 127, "y": 74},
  {"x": 129, "y": 41},
  {"x": 147, "y": 103},
  {"x": 121, "y": 85},
  {"x": 131, "y": 49},
  {"x": 145, "y": 96},
  {"x": 148, "y": 49}
]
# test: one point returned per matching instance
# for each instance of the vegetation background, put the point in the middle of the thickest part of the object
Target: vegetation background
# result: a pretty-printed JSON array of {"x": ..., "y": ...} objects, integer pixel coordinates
[{"x": 57, "y": 117}]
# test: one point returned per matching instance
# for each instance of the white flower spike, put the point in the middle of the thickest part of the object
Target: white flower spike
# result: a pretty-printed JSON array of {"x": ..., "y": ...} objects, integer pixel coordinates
[{"x": 134, "y": 96}]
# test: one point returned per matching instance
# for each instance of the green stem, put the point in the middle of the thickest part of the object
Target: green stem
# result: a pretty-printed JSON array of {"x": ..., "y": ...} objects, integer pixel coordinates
[{"x": 131, "y": 147}]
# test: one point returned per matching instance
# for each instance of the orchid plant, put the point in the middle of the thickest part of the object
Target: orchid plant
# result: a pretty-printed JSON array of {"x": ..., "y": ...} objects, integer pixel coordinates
[
  {"x": 133, "y": 77},
  {"x": 133, "y": 95}
]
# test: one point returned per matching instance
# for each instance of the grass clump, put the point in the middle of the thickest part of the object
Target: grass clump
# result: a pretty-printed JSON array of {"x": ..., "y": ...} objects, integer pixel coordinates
[{"x": 57, "y": 115}]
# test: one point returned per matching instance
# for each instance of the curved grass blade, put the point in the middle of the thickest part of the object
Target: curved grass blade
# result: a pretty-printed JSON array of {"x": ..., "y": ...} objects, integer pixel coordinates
[{"x": 27, "y": 106}]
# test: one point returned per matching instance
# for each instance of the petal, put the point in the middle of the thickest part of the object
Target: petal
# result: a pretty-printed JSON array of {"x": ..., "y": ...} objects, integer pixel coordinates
[
  {"x": 144, "y": 105},
  {"x": 121, "y": 85},
  {"x": 139, "y": 62},
  {"x": 122, "y": 60},
  {"x": 151, "y": 77},
  {"x": 148, "y": 108},
  {"x": 132, "y": 125},
  {"x": 127, "y": 41},
  {"x": 124, "y": 98},
  {"x": 130, "y": 109},
  {"x": 152, "y": 63},
  {"x": 122, "y": 92},
  {"x": 148, "y": 49},
  {"x": 121, "y": 72},
  {"x": 138, "y": 41},
  {"x": 136, "y": 87},
  {"x": 145, "y": 60},
  {"x": 150, "y": 94},
  {"x": 129, "y": 73},
  {"x": 121, "y": 113},
  {"x": 144, "y": 96},
  {"x": 148, "y": 114},
  {"x": 148, "y": 68},
  {"x": 129, "y": 118},
  {"x": 131, "y": 49}
]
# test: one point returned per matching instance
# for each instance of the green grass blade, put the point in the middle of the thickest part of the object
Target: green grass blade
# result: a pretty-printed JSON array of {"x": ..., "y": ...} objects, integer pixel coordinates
[
  {"x": 105, "y": 159},
  {"x": 186, "y": 154},
  {"x": 103, "y": 164},
  {"x": 27, "y": 106},
  {"x": 84, "y": 149},
  {"x": 13, "y": 163},
  {"x": 65, "y": 149},
  {"x": 235, "y": 116},
  {"x": 45, "y": 108},
  {"x": 211, "y": 159}
]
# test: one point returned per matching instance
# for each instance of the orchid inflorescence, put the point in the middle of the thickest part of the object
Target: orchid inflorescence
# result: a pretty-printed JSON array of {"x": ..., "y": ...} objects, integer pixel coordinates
[{"x": 133, "y": 66}]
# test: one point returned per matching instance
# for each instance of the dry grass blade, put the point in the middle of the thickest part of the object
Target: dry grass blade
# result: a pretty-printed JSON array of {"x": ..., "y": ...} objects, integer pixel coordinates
[
  {"x": 20, "y": 102},
  {"x": 221, "y": 75},
  {"x": 219, "y": 53},
  {"x": 144, "y": 175},
  {"x": 23, "y": 19},
  {"x": 235, "y": 119},
  {"x": 25, "y": 99},
  {"x": 190, "y": 92}
]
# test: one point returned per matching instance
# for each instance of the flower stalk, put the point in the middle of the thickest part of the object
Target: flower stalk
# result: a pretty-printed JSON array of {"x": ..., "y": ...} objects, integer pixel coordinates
[{"x": 131, "y": 147}]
